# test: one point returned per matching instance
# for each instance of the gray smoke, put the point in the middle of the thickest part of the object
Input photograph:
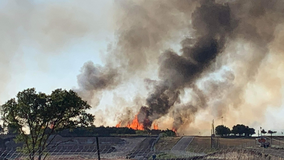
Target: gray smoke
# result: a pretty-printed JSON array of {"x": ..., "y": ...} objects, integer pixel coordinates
[
  {"x": 213, "y": 25},
  {"x": 214, "y": 30},
  {"x": 95, "y": 78}
]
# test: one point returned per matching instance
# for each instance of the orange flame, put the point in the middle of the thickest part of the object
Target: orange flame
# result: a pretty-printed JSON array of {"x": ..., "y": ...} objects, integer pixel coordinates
[
  {"x": 135, "y": 124},
  {"x": 155, "y": 126},
  {"x": 118, "y": 124}
]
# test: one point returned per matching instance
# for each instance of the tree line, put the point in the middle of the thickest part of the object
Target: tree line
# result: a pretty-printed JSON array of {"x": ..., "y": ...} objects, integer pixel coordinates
[{"x": 237, "y": 130}]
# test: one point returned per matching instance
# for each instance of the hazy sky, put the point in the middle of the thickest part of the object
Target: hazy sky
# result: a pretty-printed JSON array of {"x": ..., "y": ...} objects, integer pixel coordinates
[{"x": 44, "y": 44}]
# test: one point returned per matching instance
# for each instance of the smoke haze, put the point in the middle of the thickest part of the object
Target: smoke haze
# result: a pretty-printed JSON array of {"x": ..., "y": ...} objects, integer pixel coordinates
[
  {"x": 189, "y": 60},
  {"x": 225, "y": 46}
]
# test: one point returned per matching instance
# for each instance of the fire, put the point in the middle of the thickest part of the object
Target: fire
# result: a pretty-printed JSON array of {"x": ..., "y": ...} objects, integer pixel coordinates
[
  {"x": 118, "y": 124},
  {"x": 155, "y": 126},
  {"x": 135, "y": 124}
]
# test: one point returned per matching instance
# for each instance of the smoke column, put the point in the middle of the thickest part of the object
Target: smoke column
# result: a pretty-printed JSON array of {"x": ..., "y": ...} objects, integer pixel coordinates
[{"x": 226, "y": 39}]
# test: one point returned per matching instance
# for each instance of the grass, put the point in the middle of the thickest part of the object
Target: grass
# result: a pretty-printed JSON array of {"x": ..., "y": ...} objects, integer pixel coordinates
[
  {"x": 166, "y": 143},
  {"x": 203, "y": 143},
  {"x": 200, "y": 144},
  {"x": 236, "y": 142}
]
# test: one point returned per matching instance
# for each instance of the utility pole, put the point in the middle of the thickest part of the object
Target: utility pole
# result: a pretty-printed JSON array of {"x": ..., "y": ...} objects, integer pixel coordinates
[
  {"x": 98, "y": 148},
  {"x": 212, "y": 133}
]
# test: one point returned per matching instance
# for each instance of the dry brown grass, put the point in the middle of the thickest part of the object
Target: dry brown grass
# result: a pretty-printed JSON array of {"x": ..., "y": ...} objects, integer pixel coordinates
[
  {"x": 203, "y": 144},
  {"x": 236, "y": 142},
  {"x": 166, "y": 143},
  {"x": 200, "y": 144}
]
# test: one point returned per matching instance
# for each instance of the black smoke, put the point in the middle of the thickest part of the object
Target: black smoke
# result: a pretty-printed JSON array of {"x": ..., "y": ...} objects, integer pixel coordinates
[{"x": 213, "y": 25}]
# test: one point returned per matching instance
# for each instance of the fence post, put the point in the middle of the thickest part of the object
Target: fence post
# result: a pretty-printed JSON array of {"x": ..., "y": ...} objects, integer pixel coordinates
[{"x": 98, "y": 148}]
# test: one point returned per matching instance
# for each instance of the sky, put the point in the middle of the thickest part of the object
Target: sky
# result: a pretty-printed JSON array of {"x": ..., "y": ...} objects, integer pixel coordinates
[
  {"x": 53, "y": 59},
  {"x": 45, "y": 44}
]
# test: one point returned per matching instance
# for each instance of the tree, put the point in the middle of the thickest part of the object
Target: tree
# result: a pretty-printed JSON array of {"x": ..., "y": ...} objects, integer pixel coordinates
[
  {"x": 37, "y": 116},
  {"x": 263, "y": 131},
  {"x": 239, "y": 129},
  {"x": 271, "y": 132},
  {"x": 250, "y": 131},
  {"x": 222, "y": 130}
]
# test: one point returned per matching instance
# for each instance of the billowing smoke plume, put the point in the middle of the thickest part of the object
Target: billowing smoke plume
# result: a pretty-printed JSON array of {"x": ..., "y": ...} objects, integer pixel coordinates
[
  {"x": 212, "y": 35},
  {"x": 213, "y": 25},
  {"x": 143, "y": 30}
]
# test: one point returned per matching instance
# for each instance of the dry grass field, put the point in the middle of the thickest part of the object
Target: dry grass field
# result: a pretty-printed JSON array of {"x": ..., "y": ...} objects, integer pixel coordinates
[
  {"x": 166, "y": 143},
  {"x": 202, "y": 144},
  {"x": 205, "y": 142}
]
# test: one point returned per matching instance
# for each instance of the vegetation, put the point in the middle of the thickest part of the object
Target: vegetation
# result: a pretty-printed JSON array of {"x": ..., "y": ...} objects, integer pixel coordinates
[
  {"x": 36, "y": 116},
  {"x": 168, "y": 133},
  {"x": 271, "y": 132},
  {"x": 239, "y": 129},
  {"x": 222, "y": 130},
  {"x": 243, "y": 130},
  {"x": 263, "y": 131},
  {"x": 111, "y": 131},
  {"x": 95, "y": 131},
  {"x": 166, "y": 143}
]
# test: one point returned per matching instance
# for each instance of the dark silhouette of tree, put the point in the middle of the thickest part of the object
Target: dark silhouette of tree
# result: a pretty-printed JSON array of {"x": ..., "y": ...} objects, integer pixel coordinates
[
  {"x": 36, "y": 116},
  {"x": 243, "y": 130},
  {"x": 12, "y": 130},
  {"x": 239, "y": 129},
  {"x": 271, "y": 132},
  {"x": 263, "y": 131},
  {"x": 222, "y": 130},
  {"x": 249, "y": 131}
]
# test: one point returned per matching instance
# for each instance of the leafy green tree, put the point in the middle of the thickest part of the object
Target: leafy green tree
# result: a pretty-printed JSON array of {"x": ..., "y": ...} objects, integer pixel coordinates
[
  {"x": 37, "y": 116},
  {"x": 222, "y": 130},
  {"x": 11, "y": 130}
]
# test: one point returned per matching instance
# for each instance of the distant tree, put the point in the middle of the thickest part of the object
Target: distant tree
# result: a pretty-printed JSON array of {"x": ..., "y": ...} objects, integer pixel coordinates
[
  {"x": 263, "y": 131},
  {"x": 169, "y": 133},
  {"x": 222, "y": 130},
  {"x": 250, "y": 131},
  {"x": 36, "y": 116},
  {"x": 243, "y": 130},
  {"x": 271, "y": 132},
  {"x": 239, "y": 129}
]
